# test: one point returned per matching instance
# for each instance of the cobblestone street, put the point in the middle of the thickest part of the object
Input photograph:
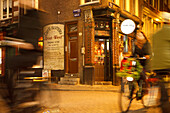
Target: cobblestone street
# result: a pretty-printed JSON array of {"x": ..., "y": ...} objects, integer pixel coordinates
[
  {"x": 83, "y": 99},
  {"x": 100, "y": 101}
]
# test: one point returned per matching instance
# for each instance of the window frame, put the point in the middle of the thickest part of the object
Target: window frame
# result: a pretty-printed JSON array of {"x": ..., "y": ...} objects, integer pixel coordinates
[
  {"x": 24, "y": 7},
  {"x": 82, "y": 2},
  {"x": 8, "y": 13}
]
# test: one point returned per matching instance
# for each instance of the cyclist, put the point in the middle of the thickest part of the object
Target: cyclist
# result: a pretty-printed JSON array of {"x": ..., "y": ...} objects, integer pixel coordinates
[{"x": 143, "y": 51}]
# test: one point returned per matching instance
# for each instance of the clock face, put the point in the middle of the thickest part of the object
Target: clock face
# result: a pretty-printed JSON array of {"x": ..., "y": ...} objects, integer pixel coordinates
[{"x": 127, "y": 26}]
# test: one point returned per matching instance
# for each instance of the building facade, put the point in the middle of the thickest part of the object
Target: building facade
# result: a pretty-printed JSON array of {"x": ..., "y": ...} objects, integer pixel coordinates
[
  {"x": 150, "y": 15},
  {"x": 83, "y": 38},
  {"x": 93, "y": 40}
]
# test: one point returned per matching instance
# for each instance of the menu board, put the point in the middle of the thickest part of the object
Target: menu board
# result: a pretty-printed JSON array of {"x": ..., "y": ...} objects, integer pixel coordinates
[{"x": 54, "y": 46}]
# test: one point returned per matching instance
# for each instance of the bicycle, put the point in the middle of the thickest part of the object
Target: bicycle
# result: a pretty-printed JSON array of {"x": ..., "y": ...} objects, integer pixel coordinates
[{"x": 148, "y": 91}]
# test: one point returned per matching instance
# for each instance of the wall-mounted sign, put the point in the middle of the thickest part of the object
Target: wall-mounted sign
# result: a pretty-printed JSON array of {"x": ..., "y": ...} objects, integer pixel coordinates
[
  {"x": 128, "y": 26},
  {"x": 77, "y": 14},
  {"x": 77, "y": 11},
  {"x": 54, "y": 47}
]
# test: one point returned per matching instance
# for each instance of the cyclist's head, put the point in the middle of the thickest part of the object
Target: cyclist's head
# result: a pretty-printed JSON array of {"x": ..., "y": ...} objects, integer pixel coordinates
[{"x": 140, "y": 35}]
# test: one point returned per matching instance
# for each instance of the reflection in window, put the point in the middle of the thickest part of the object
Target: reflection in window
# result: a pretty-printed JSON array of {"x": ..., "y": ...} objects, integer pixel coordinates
[{"x": 125, "y": 43}]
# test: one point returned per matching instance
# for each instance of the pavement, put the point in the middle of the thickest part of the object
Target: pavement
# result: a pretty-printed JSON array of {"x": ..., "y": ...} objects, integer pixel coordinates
[
  {"x": 82, "y": 99},
  {"x": 77, "y": 93},
  {"x": 81, "y": 87}
]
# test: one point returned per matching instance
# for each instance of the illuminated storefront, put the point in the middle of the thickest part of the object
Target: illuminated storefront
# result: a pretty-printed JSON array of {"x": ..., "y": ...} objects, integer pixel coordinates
[{"x": 108, "y": 43}]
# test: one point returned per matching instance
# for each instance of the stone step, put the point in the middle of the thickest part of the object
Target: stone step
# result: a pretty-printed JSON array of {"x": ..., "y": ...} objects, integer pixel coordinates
[
  {"x": 69, "y": 79},
  {"x": 103, "y": 83},
  {"x": 68, "y": 83},
  {"x": 75, "y": 75}
]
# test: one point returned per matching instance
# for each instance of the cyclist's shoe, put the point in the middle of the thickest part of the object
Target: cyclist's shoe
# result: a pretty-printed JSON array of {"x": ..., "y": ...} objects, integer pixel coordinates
[{"x": 139, "y": 95}]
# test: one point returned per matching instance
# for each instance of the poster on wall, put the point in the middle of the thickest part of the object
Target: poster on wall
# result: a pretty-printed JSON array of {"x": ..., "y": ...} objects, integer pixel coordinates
[{"x": 54, "y": 46}]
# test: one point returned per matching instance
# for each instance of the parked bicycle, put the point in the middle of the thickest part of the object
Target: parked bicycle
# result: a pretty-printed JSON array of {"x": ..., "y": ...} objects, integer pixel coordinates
[{"x": 133, "y": 87}]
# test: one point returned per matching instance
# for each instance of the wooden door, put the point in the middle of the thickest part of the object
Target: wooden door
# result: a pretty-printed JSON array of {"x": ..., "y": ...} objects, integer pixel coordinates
[
  {"x": 71, "y": 48},
  {"x": 73, "y": 55}
]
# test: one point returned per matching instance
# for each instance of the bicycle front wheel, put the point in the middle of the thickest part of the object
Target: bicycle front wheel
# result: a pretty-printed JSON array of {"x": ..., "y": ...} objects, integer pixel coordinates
[{"x": 126, "y": 96}]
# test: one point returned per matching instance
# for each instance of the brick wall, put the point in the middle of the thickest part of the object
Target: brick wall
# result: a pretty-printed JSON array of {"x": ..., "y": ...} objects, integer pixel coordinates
[{"x": 65, "y": 7}]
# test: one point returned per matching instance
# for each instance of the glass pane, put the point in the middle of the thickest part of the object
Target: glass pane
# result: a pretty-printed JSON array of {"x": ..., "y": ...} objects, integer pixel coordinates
[
  {"x": 73, "y": 37},
  {"x": 4, "y": 8},
  {"x": 99, "y": 54},
  {"x": 72, "y": 27},
  {"x": 10, "y": 8},
  {"x": 125, "y": 41}
]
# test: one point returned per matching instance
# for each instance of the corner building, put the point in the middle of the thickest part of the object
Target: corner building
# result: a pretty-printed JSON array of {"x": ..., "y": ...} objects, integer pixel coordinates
[{"x": 93, "y": 41}]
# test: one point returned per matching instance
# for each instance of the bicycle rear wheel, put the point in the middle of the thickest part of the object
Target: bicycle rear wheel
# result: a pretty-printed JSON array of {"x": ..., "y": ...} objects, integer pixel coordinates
[
  {"x": 151, "y": 96},
  {"x": 126, "y": 96}
]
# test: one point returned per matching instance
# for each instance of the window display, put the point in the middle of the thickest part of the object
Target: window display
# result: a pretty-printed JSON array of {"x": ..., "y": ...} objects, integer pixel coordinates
[{"x": 99, "y": 52}]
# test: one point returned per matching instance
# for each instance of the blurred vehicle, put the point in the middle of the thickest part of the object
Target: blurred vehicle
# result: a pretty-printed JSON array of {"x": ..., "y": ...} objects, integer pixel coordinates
[{"x": 26, "y": 62}]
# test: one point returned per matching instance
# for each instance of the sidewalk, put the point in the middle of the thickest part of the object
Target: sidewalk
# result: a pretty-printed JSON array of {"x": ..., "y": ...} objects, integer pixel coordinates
[{"x": 80, "y": 87}]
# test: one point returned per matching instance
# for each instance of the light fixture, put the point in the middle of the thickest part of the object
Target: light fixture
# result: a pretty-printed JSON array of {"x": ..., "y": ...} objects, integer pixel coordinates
[
  {"x": 157, "y": 20},
  {"x": 58, "y": 12}
]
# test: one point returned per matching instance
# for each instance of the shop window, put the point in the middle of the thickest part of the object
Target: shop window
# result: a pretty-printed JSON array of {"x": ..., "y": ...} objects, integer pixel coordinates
[
  {"x": 84, "y": 2},
  {"x": 126, "y": 43},
  {"x": 102, "y": 28},
  {"x": 102, "y": 25},
  {"x": 99, "y": 51},
  {"x": 6, "y": 9}
]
